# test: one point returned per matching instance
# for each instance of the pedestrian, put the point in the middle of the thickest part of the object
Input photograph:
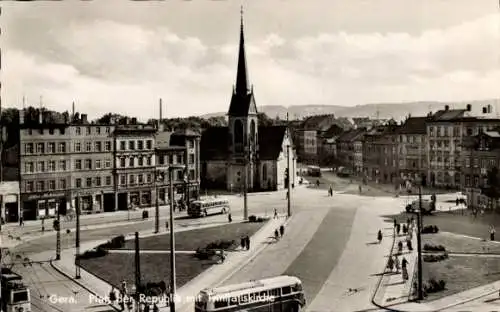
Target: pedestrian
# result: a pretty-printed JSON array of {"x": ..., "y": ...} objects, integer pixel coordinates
[
  {"x": 166, "y": 225},
  {"x": 242, "y": 242},
  {"x": 147, "y": 308},
  {"x": 276, "y": 235},
  {"x": 390, "y": 264},
  {"x": 275, "y": 213},
  {"x": 398, "y": 228},
  {"x": 492, "y": 233},
  {"x": 404, "y": 269},
  {"x": 396, "y": 263},
  {"x": 395, "y": 223},
  {"x": 379, "y": 236},
  {"x": 282, "y": 230},
  {"x": 112, "y": 295},
  {"x": 247, "y": 241},
  {"x": 408, "y": 222},
  {"x": 222, "y": 256},
  {"x": 360, "y": 189},
  {"x": 21, "y": 221},
  {"x": 229, "y": 218},
  {"x": 155, "y": 308},
  {"x": 405, "y": 229},
  {"x": 457, "y": 201},
  {"x": 287, "y": 194},
  {"x": 43, "y": 225}
]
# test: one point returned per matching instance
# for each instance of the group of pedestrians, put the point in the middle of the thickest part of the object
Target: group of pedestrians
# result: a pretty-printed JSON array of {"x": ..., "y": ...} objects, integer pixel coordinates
[
  {"x": 393, "y": 264},
  {"x": 278, "y": 233}
]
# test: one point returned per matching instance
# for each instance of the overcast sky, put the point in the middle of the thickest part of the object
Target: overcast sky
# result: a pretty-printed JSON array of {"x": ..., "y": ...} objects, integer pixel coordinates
[{"x": 119, "y": 56}]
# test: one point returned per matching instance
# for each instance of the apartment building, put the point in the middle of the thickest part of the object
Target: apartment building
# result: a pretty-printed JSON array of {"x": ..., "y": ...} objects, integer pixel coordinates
[
  {"x": 44, "y": 168},
  {"x": 380, "y": 154},
  {"x": 91, "y": 166},
  {"x": 134, "y": 165},
  {"x": 412, "y": 149}
]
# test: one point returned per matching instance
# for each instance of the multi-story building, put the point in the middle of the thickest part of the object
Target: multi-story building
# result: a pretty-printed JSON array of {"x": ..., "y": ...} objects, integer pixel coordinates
[
  {"x": 480, "y": 154},
  {"x": 380, "y": 154},
  {"x": 358, "y": 154},
  {"x": 134, "y": 165},
  {"x": 345, "y": 147},
  {"x": 412, "y": 149},
  {"x": 91, "y": 165},
  {"x": 44, "y": 167}
]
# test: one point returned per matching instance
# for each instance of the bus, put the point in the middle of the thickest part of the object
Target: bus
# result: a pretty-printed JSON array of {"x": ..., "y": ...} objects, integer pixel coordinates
[
  {"x": 280, "y": 293},
  {"x": 314, "y": 171},
  {"x": 205, "y": 207},
  {"x": 15, "y": 294}
]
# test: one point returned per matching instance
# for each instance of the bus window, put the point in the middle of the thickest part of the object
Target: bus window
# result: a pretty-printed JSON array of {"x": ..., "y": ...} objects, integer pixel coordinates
[
  {"x": 20, "y": 296},
  {"x": 297, "y": 287},
  {"x": 275, "y": 292},
  {"x": 286, "y": 290}
]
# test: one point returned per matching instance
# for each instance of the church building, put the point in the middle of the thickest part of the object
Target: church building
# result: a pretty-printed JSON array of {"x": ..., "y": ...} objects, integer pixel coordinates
[{"x": 244, "y": 151}]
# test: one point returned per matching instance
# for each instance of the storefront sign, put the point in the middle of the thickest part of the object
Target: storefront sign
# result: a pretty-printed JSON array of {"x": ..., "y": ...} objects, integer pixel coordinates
[
  {"x": 45, "y": 195},
  {"x": 10, "y": 199}
]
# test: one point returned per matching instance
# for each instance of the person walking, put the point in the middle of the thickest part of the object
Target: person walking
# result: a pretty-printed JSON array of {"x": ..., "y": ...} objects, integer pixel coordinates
[
  {"x": 395, "y": 223},
  {"x": 166, "y": 225},
  {"x": 379, "y": 236},
  {"x": 398, "y": 228},
  {"x": 21, "y": 221},
  {"x": 390, "y": 264},
  {"x": 243, "y": 243},
  {"x": 229, "y": 218},
  {"x": 396, "y": 263},
  {"x": 276, "y": 235},
  {"x": 282, "y": 230},
  {"x": 492, "y": 232},
  {"x": 275, "y": 213},
  {"x": 404, "y": 270},
  {"x": 247, "y": 241}
]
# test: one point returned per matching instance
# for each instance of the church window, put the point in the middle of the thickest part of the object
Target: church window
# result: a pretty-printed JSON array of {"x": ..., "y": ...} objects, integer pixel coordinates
[
  {"x": 252, "y": 131},
  {"x": 238, "y": 131}
]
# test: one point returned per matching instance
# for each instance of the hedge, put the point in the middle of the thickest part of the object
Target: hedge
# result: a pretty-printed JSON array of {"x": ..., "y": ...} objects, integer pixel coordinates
[
  {"x": 430, "y": 247},
  {"x": 430, "y": 229},
  {"x": 435, "y": 258}
]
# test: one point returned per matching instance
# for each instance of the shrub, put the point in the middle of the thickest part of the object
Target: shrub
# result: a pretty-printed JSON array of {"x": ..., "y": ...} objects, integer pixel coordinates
[
  {"x": 435, "y": 258},
  {"x": 115, "y": 243},
  {"x": 430, "y": 229},
  {"x": 221, "y": 244},
  {"x": 433, "y": 286},
  {"x": 430, "y": 247},
  {"x": 204, "y": 254},
  {"x": 252, "y": 218},
  {"x": 94, "y": 253}
]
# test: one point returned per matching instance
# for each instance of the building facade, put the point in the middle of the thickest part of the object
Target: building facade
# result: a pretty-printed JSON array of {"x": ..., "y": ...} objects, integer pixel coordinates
[{"x": 412, "y": 149}]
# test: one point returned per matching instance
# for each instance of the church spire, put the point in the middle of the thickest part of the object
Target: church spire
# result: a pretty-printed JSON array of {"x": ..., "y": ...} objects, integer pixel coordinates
[{"x": 242, "y": 75}]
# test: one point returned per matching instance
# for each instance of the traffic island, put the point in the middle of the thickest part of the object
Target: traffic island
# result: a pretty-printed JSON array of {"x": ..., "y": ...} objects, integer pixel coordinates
[{"x": 117, "y": 263}]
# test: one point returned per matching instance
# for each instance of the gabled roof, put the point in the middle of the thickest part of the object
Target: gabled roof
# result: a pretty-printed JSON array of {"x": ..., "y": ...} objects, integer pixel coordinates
[
  {"x": 333, "y": 131},
  {"x": 242, "y": 105},
  {"x": 414, "y": 125},
  {"x": 214, "y": 143},
  {"x": 271, "y": 141},
  {"x": 351, "y": 135},
  {"x": 448, "y": 114}
]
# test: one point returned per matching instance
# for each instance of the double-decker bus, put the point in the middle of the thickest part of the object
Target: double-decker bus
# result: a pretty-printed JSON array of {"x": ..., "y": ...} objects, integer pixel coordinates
[
  {"x": 205, "y": 207},
  {"x": 281, "y": 293},
  {"x": 15, "y": 295}
]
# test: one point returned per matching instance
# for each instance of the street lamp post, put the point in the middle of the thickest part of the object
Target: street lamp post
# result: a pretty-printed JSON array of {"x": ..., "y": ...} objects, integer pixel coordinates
[
  {"x": 157, "y": 204},
  {"x": 245, "y": 186},
  {"x": 289, "y": 182},
  {"x": 77, "y": 238}
]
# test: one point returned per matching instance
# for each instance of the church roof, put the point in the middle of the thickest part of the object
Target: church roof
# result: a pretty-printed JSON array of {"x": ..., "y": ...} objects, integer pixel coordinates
[
  {"x": 270, "y": 142},
  {"x": 241, "y": 104},
  {"x": 214, "y": 143}
]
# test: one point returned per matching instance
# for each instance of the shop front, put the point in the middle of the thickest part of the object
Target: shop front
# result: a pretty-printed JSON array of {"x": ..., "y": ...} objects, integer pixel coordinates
[{"x": 41, "y": 206}]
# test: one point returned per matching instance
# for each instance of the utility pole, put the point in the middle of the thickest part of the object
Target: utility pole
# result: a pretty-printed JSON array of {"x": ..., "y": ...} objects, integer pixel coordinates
[
  {"x": 157, "y": 204},
  {"x": 419, "y": 244},
  {"x": 245, "y": 186},
  {"x": 172, "y": 242},
  {"x": 77, "y": 239},
  {"x": 137, "y": 268},
  {"x": 58, "y": 232},
  {"x": 187, "y": 182},
  {"x": 289, "y": 184}
]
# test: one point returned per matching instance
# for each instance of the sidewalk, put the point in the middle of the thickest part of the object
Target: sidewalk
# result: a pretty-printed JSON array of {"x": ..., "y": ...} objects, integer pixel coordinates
[{"x": 211, "y": 276}]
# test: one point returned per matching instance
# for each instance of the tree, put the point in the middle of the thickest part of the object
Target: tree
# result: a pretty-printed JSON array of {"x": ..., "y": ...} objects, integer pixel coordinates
[{"x": 264, "y": 120}]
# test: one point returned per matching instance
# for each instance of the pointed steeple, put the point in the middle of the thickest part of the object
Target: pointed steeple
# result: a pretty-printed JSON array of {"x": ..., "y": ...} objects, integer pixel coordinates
[{"x": 242, "y": 75}]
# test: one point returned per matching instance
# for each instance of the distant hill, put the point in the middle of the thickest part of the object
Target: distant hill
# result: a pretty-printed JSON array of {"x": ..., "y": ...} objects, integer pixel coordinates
[{"x": 397, "y": 111}]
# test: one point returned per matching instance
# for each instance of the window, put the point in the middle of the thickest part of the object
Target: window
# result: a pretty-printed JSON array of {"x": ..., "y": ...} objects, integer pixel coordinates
[
  {"x": 89, "y": 130},
  {"x": 149, "y": 144},
  {"x": 180, "y": 175},
  {"x": 30, "y": 131},
  {"x": 179, "y": 159},
  {"x": 131, "y": 179},
  {"x": 149, "y": 161},
  {"x": 89, "y": 182},
  {"x": 28, "y": 167},
  {"x": 62, "y": 165},
  {"x": 122, "y": 145},
  {"x": 123, "y": 179},
  {"x": 98, "y": 164},
  {"x": 140, "y": 145},
  {"x": 78, "y": 131},
  {"x": 40, "y": 166},
  {"x": 88, "y": 164},
  {"x": 52, "y": 147},
  {"x": 88, "y": 146},
  {"x": 149, "y": 178},
  {"x": 141, "y": 161},
  {"x": 131, "y": 145},
  {"x": 40, "y": 131},
  {"x": 107, "y": 146},
  {"x": 40, "y": 148},
  {"x": 40, "y": 186},
  {"x": 62, "y": 130},
  {"x": 98, "y": 181},
  {"x": 108, "y": 130},
  {"x": 52, "y": 185},
  {"x": 161, "y": 160},
  {"x": 78, "y": 147},
  {"x": 286, "y": 290},
  {"x": 191, "y": 174},
  {"x": 140, "y": 178},
  {"x": 78, "y": 164},
  {"x": 191, "y": 158},
  {"x": 98, "y": 146},
  {"x": 467, "y": 162},
  {"x": 61, "y": 147},
  {"x": 62, "y": 184},
  {"x": 78, "y": 182},
  {"x": 28, "y": 148},
  {"x": 107, "y": 163},
  {"x": 191, "y": 144},
  {"x": 108, "y": 180},
  {"x": 52, "y": 165},
  {"x": 29, "y": 186},
  {"x": 98, "y": 130},
  {"x": 131, "y": 162}
]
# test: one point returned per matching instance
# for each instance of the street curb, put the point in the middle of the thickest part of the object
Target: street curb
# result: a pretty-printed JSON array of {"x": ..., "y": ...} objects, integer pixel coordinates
[
  {"x": 79, "y": 284},
  {"x": 249, "y": 259}
]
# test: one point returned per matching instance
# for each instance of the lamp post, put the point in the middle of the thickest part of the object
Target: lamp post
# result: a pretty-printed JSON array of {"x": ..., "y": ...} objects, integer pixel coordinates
[
  {"x": 289, "y": 182},
  {"x": 245, "y": 186},
  {"x": 77, "y": 238},
  {"x": 172, "y": 237},
  {"x": 419, "y": 242}
]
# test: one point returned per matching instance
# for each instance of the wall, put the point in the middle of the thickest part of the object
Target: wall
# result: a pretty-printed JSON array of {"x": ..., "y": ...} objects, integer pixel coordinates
[{"x": 216, "y": 172}]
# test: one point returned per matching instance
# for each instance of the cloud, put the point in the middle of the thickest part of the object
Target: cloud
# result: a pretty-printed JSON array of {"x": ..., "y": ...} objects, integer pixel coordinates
[{"x": 110, "y": 66}]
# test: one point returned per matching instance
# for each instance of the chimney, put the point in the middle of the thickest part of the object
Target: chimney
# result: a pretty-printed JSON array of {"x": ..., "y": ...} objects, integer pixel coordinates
[
  {"x": 73, "y": 111},
  {"x": 40, "y": 115},
  {"x": 489, "y": 109},
  {"x": 83, "y": 118},
  {"x": 134, "y": 121},
  {"x": 469, "y": 107},
  {"x": 485, "y": 110},
  {"x": 447, "y": 107},
  {"x": 160, "y": 121}
]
